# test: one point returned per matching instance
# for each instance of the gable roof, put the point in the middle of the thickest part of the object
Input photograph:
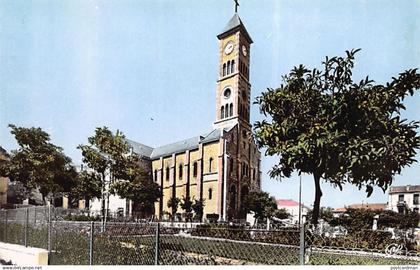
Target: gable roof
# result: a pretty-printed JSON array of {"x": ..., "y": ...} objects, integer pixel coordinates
[
  {"x": 174, "y": 148},
  {"x": 140, "y": 149},
  {"x": 234, "y": 24}
]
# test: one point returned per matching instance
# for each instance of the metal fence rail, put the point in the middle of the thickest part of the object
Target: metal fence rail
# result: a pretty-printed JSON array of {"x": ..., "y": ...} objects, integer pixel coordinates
[{"x": 152, "y": 243}]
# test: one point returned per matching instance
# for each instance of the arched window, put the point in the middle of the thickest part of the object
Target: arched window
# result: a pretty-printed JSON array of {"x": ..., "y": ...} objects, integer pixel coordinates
[
  {"x": 222, "y": 112},
  {"x": 195, "y": 169},
  {"x": 180, "y": 171},
  {"x": 231, "y": 165},
  {"x": 167, "y": 173},
  {"x": 156, "y": 179},
  {"x": 224, "y": 69},
  {"x": 210, "y": 193},
  {"x": 228, "y": 68},
  {"x": 232, "y": 67},
  {"x": 210, "y": 164},
  {"x": 231, "y": 109}
]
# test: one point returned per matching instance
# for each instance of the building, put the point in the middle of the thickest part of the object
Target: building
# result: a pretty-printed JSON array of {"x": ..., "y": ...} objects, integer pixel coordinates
[
  {"x": 292, "y": 207},
  {"x": 222, "y": 165},
  {"x": 4, "y": 182},
  {"x": 404, "y": 197},
  {"x": 366, "y": 206}
]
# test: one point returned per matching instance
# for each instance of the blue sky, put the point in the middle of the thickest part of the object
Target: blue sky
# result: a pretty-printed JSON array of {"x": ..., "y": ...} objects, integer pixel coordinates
[{"x": 70, "y": 66}]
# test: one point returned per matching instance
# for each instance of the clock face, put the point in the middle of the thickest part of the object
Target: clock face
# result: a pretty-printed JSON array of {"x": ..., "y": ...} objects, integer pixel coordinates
[
  {"x": 229, "y": 47},
  {"x": 244, "y": 50}
]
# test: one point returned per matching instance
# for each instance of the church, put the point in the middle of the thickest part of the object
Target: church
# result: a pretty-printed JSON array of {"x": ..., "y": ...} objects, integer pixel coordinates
[{"x": 220, "y": 166}]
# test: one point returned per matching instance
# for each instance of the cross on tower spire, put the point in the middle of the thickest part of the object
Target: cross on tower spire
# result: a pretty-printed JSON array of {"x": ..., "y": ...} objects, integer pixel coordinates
[{"x": 236, "y": 5}]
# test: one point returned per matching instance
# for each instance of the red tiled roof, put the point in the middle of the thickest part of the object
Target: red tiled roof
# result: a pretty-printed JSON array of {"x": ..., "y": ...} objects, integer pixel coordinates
[
  {"x": 284, "y": 203},
  {"x": 369, "y": 206}
]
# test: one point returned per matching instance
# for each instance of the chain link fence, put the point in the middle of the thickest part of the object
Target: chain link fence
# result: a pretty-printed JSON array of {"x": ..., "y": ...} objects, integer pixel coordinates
[{"x": 152, "y": 243}]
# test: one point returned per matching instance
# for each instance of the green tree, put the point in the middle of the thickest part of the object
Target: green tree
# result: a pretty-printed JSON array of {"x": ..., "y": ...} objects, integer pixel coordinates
[
  {"x": 326, "y": 213},
  {"x": 358, "y": 219},
  {"x": 119, "y": 170},
  {"x": 407, "y": 220},
  {"x": 38, "y": 164},
  {"x": 322, "y": 122},
  {"x": 105, "y": 155},
  {"x": 261, "y": 203},
  {"x": 138, "y": 186},
  {"x": 186, "y": 205},
  {"x": 355, "y": 219},
  {"x": 88, "y": 186},
  {"x": 17, "y": 193},
  {"x": 173, "y": 204},
  {"x": 281, "y": 214},
  {"x": 198, "y": 208}
]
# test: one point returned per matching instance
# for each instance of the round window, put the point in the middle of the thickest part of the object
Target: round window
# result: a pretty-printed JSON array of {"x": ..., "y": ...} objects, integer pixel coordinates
[{"x": 227, "y": 93}]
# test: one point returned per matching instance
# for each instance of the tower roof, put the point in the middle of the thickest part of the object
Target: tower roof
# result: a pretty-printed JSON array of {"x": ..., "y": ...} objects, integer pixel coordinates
[{"x": 233, "y": 25}]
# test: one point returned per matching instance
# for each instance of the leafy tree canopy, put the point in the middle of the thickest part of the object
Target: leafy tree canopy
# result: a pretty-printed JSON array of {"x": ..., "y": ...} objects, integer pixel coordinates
[
  {"x": 322, "y": 122},
  {"x": 261, "y": 203},
  {"x": 88, "y": 186},
  {"x": 112, "y": 163},
  {"x": 138, "y": 186},
  {"x": 198, "y": 208},
  {"x": 358, "y": 219},
  {"x": 173, "y": 203},
  {"x": 186, "y": 205},
  {"x": 38, "y": 164},
  {"x": 282, "y": 213},
  {"x": 106, "y": 153}
]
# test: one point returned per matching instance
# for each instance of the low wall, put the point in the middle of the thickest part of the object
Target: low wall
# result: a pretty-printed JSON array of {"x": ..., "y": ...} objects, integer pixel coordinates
[{"x": 20, "y": 255}]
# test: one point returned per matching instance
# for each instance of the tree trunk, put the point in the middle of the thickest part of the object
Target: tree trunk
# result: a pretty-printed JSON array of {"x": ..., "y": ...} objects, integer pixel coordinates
[{"x": 318, "y": 195}]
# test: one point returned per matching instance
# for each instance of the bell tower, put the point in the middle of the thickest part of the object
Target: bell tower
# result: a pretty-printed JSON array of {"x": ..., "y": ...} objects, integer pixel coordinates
[{"x": 233, "y": 87}]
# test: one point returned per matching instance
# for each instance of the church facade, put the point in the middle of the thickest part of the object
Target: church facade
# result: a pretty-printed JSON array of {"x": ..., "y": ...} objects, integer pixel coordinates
[{"x": 220, "y": 166}]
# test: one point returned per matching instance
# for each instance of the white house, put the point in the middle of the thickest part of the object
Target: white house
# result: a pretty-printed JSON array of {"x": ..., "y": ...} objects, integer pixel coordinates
[
  {"x": 402, "y": 197},
  {"x": 292, "y": 207}
]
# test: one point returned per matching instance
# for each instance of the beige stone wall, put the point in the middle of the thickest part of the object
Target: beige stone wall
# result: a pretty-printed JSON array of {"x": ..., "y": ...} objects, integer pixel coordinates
[
  {"x": 238, "y": 155},
  {"x": 3, "y": 190},
  {"x": 210, "y": 203},
  {"x": 210, "y": 181},
  {"x": 210, "y": 151}
]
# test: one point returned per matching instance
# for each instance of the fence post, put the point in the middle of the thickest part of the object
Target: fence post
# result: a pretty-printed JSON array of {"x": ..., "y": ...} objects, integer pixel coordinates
[
  {"x": 157, "y": 243},
  {"x": 302, "y": 244},
  {"x": 5, "y": 228},
  {"x": 26, "y": 226},
  {"x": 91, "y": 238},
  {"x": 49, "y": 231}
]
